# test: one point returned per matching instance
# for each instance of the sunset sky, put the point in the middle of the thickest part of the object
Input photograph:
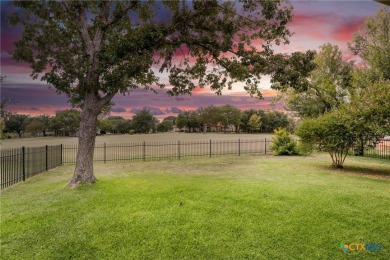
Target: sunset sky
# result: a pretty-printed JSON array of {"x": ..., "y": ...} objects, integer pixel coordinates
[{"x": 314, "y": 23}]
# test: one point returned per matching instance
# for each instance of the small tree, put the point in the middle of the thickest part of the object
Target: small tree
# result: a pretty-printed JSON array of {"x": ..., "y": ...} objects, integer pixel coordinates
[
  {"x": 330, "y": 132},
  {"x": 283, "y": 143}
]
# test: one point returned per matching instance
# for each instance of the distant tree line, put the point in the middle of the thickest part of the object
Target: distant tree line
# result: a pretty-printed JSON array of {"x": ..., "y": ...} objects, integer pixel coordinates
[
  {"x": 229, "y": 118},
  {"x": 209, "y": 119}
]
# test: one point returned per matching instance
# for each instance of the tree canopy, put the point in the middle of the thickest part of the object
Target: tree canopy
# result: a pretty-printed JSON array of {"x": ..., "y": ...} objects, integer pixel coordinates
[
  {"x": 16, "y": 123},
  {"x": 144, "y": 122},
  {"x": 67, "y": 120},
  {"x": 106, "y": 47},
  {"x": 92, "y": 50},
  {"x": 372, "y": 43},
  {"x": 328, "y": 84},
  {"x": 364, "y": 116}
]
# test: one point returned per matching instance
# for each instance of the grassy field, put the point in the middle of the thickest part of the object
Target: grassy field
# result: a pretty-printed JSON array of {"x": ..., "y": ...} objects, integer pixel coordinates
[
  {"x": 249, "y": 207},
  {"x": 50, "y": 140}
]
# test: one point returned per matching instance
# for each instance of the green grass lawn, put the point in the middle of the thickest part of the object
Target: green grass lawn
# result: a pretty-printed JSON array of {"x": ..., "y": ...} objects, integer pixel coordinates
[{"x": 249, "y": 207}]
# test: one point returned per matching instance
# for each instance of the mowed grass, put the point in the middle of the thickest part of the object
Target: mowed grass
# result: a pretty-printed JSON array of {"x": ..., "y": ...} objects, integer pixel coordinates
[{"x": 230, "y": 207}]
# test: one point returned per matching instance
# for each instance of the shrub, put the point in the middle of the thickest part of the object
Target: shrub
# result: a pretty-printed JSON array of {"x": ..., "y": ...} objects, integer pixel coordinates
[
  {"x": 283, "y": 143},
  {"x": 131, "y": 131},
  {"x": 331, "y": 133}
]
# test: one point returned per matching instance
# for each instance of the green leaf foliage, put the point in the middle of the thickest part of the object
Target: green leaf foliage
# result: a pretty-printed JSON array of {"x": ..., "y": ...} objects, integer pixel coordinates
[
  {"x": 328, "y": 85},
  {"x": 283, "y": 143},
  {"x": 16, "y": 123},
  {"x": 100, "y": 48},
  {"x": 67, "y": 120},
  {"x": 330, "y": 132},
  {"x": 372, "y": 43},
  {"x": 144, "y": 122}
]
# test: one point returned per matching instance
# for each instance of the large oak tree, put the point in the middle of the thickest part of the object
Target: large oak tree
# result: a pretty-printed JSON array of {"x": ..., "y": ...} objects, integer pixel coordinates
[{"x": 92, "y": 50}]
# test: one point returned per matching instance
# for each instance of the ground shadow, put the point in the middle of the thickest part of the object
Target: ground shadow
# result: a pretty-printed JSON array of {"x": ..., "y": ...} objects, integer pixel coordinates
[{"x": 378, "y": 172}]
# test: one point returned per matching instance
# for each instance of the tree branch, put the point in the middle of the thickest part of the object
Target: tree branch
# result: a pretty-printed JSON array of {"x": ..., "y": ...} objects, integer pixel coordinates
[{"x": 117, "y": 17}]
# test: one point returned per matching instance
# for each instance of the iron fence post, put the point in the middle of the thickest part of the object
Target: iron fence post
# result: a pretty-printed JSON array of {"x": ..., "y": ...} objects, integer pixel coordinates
[
  {"x": 144, "y": 151},
  {"x": 105, "y": 153},
  {"x": 210, "y": 148},
  {"x": 239, "y": 147},
  {"x": 178, "y": 149},
  {"x": 265, "y": 145},
  {"x": 23, "y": 163},
  {"x": 47, "y": 157},
  {"x": 61, "y": 147}
]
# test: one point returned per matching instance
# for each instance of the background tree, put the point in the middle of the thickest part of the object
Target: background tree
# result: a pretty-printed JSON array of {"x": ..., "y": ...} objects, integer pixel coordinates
[
  {"x": 181, "y": 121},
  {"x": 230, "y": 116},
  {"x": 193, "y": 120},
  {"x": 67, "y": 121},
  {"x": 209, "y": 117},
  {"x": 372, "y": 43},
  {"x": 4, "y": 113},
  {"x": 254, "y": 123},
  {"x": 17, "y": 124},
  {"x": 91, "y": 51},
  {"x": 35, "y": 127},
  {"x": 328, "y": 84},
  {"x": 371, "y": 85},
  {"x": 115, "y": 121},
  {"x": 45, "y": 121},
  {"x": 172, "y": 119},
  {"x": 165, "y": 126},
  {"x": 368, "y": 113},
  {"x": 4, "y": 104},
  {"x": 245, "y": 116},
  {"x": 272, "y": 120},
  {"x": 144, "y": 122},
  {"x": 105, "y": 125},
  {"x": 124, "y": 126}
]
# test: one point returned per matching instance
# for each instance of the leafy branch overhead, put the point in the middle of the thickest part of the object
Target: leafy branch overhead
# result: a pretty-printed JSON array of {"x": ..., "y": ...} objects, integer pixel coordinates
[{"x": 106, "y": 47}]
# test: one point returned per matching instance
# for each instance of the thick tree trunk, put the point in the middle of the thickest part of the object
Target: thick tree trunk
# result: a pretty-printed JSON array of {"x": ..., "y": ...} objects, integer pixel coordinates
[{"x": 87, "y": 134}]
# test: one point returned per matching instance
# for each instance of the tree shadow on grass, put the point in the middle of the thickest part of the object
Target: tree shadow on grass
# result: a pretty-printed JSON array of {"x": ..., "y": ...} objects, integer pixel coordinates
[{"x": 368, "y": 171}]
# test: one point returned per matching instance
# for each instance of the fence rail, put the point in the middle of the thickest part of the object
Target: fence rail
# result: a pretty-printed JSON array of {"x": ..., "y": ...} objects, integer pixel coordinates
[
  {"x": 379, "y": 149},
  {"x": 147, "y": 151},
  {"x": 19, "y": 164}
]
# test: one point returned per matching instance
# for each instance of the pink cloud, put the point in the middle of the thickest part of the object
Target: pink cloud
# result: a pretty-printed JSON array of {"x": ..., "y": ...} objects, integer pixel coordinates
[{"x": 344, "y": 31}]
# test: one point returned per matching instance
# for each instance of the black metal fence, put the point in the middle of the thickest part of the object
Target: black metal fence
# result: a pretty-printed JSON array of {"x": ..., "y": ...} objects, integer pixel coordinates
[
  {"x": 18, "y": 164},
  {"x": 21, "y": 163},
  {"x": 147, "y": 151},
  {"x": 379, "y": 149}
]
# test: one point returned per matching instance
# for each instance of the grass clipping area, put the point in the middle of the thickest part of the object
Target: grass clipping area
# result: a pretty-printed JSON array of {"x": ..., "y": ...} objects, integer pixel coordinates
[{"x": 257, "y": 207}]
